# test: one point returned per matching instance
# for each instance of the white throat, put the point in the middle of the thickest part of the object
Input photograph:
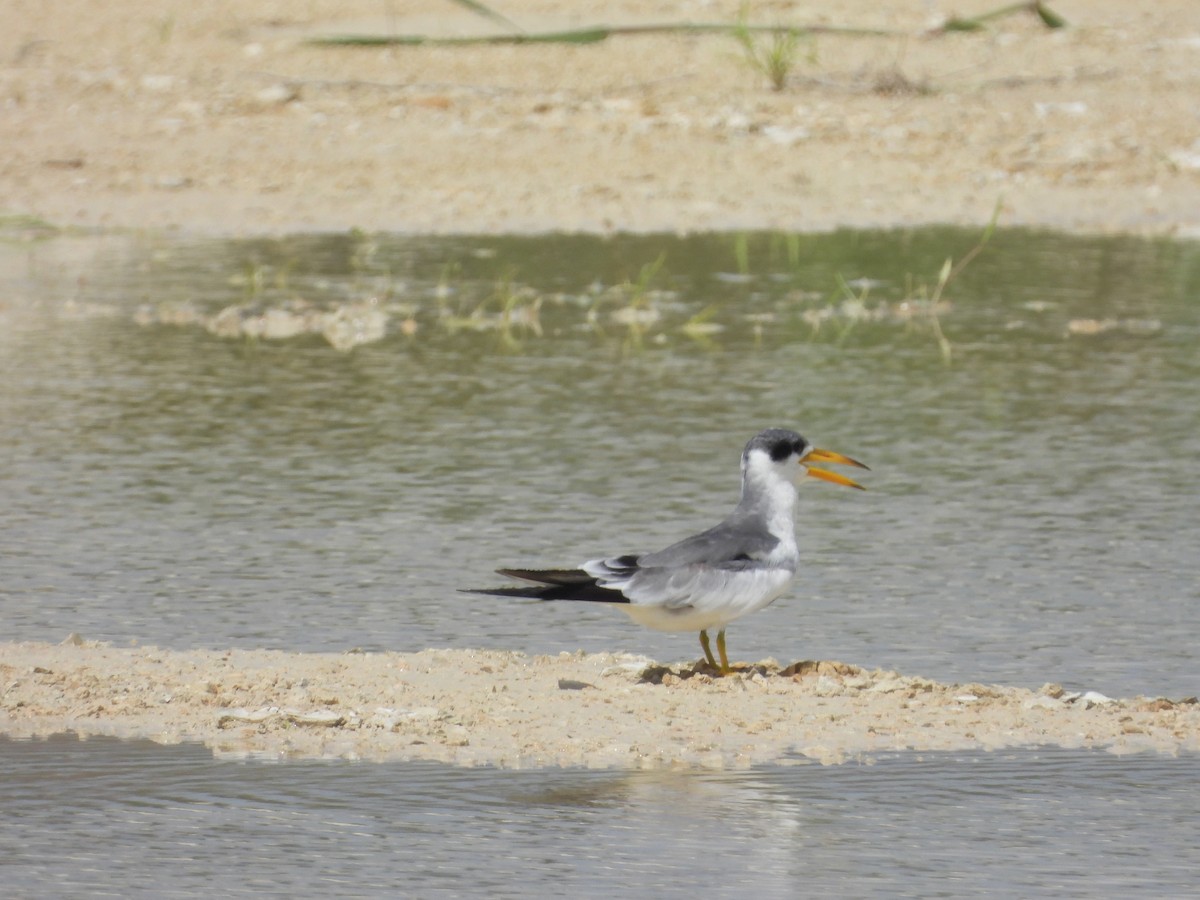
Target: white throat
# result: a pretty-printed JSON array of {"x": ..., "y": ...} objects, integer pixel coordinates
[{"x": 769, "y": 491}]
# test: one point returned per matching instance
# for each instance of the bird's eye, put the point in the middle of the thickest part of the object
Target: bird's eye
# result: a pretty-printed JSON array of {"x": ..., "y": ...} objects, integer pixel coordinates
[{"x": 781, "y": 450}]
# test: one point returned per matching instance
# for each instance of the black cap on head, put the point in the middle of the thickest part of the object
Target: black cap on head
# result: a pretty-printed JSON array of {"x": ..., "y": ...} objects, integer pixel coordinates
[{"x": 779, "y": 443}]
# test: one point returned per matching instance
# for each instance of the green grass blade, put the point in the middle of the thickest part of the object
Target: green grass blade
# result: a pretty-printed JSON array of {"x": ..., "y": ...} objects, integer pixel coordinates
[
  {"x": 588, "y": 35},
  {"x": 479, "y": 9},
  {"x": 1049, "y": 17}
]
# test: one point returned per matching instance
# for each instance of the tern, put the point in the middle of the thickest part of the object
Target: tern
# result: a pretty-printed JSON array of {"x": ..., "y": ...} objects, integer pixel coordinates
[{"x": 710, "y": 579}]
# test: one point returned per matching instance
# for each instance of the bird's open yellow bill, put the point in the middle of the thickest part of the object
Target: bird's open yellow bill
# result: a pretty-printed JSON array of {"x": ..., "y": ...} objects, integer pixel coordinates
[{"x": 828, "y": 456}]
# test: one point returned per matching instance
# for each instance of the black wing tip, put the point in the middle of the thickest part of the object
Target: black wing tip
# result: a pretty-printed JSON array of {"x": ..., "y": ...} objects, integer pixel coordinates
[
  {"x": 532, "y": 591},
  {"x": 534, "y": 574},
  {"x": 584, "y": 590},
  {"x": 549, "y": 576}
]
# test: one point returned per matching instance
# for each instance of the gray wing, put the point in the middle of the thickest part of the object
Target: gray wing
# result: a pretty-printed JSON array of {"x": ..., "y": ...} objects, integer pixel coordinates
[
  {"x": 698, "y": 571},
  {"x": 733, "y": 541}
]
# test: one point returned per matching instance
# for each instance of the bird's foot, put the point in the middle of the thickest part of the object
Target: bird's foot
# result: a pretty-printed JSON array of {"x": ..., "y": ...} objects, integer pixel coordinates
[
  {"x": 723, "y": 667},
  {"x": 714, "y": 669}
]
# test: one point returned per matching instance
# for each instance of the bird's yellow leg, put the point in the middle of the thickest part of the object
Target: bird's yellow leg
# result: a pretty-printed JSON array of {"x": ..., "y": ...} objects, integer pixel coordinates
[
  {"x": 725, "y": 667},
  {"x": 708, "y": 650}
]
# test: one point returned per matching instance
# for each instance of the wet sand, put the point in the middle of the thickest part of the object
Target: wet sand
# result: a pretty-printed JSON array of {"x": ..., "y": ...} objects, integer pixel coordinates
[{"x": 598, "y": 710}]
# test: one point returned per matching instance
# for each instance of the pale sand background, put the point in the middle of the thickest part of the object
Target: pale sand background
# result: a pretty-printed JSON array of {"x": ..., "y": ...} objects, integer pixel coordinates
[{"x": 213, "y": 117}]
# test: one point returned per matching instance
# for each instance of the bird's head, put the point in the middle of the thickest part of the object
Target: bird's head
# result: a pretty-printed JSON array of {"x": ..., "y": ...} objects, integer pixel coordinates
[{"x": 776, "y": 451}]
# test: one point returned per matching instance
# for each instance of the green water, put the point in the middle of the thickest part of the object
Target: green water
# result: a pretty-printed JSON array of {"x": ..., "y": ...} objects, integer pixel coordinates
[{"x": 543, "y": 400}]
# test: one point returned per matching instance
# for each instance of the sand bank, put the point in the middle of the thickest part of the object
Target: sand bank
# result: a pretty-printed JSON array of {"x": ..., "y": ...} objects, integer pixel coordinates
[{"x": 598, "y": 710}]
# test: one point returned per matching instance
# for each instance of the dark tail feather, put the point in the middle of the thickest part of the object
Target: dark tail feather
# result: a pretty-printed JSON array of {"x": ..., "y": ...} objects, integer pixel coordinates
[
  {"x": 549, "y": 576},
  {"x": 554, "y": 584}
]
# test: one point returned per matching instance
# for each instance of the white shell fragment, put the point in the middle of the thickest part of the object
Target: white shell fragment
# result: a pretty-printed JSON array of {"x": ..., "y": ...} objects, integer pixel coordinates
[
  {"x": 323, "y": 717},
  {"x": 246, "y": 716},
  {"x": 319, "y": 717}
]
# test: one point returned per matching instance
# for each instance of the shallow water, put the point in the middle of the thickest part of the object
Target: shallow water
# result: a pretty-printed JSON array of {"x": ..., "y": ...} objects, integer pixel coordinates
[
  {"x": 1030, "y": 518},
  {"x": 137, "y": 819},
  {"x": 1031, "y": 512}
]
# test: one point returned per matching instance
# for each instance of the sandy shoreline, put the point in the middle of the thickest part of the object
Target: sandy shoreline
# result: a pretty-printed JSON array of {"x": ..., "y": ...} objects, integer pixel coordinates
[
  {"x": 470, "y": 707},
  {"x": 216, "y": 118}
]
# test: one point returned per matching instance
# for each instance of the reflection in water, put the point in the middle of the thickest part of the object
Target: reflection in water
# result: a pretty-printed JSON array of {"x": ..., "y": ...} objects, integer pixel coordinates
[
  {"x": 104, "y": 815},
  {"x": 1031, "y": 517}
]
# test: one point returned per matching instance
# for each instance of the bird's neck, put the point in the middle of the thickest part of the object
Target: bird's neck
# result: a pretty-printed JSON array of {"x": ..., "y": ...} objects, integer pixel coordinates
[{"x": 772, "y": 497}]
